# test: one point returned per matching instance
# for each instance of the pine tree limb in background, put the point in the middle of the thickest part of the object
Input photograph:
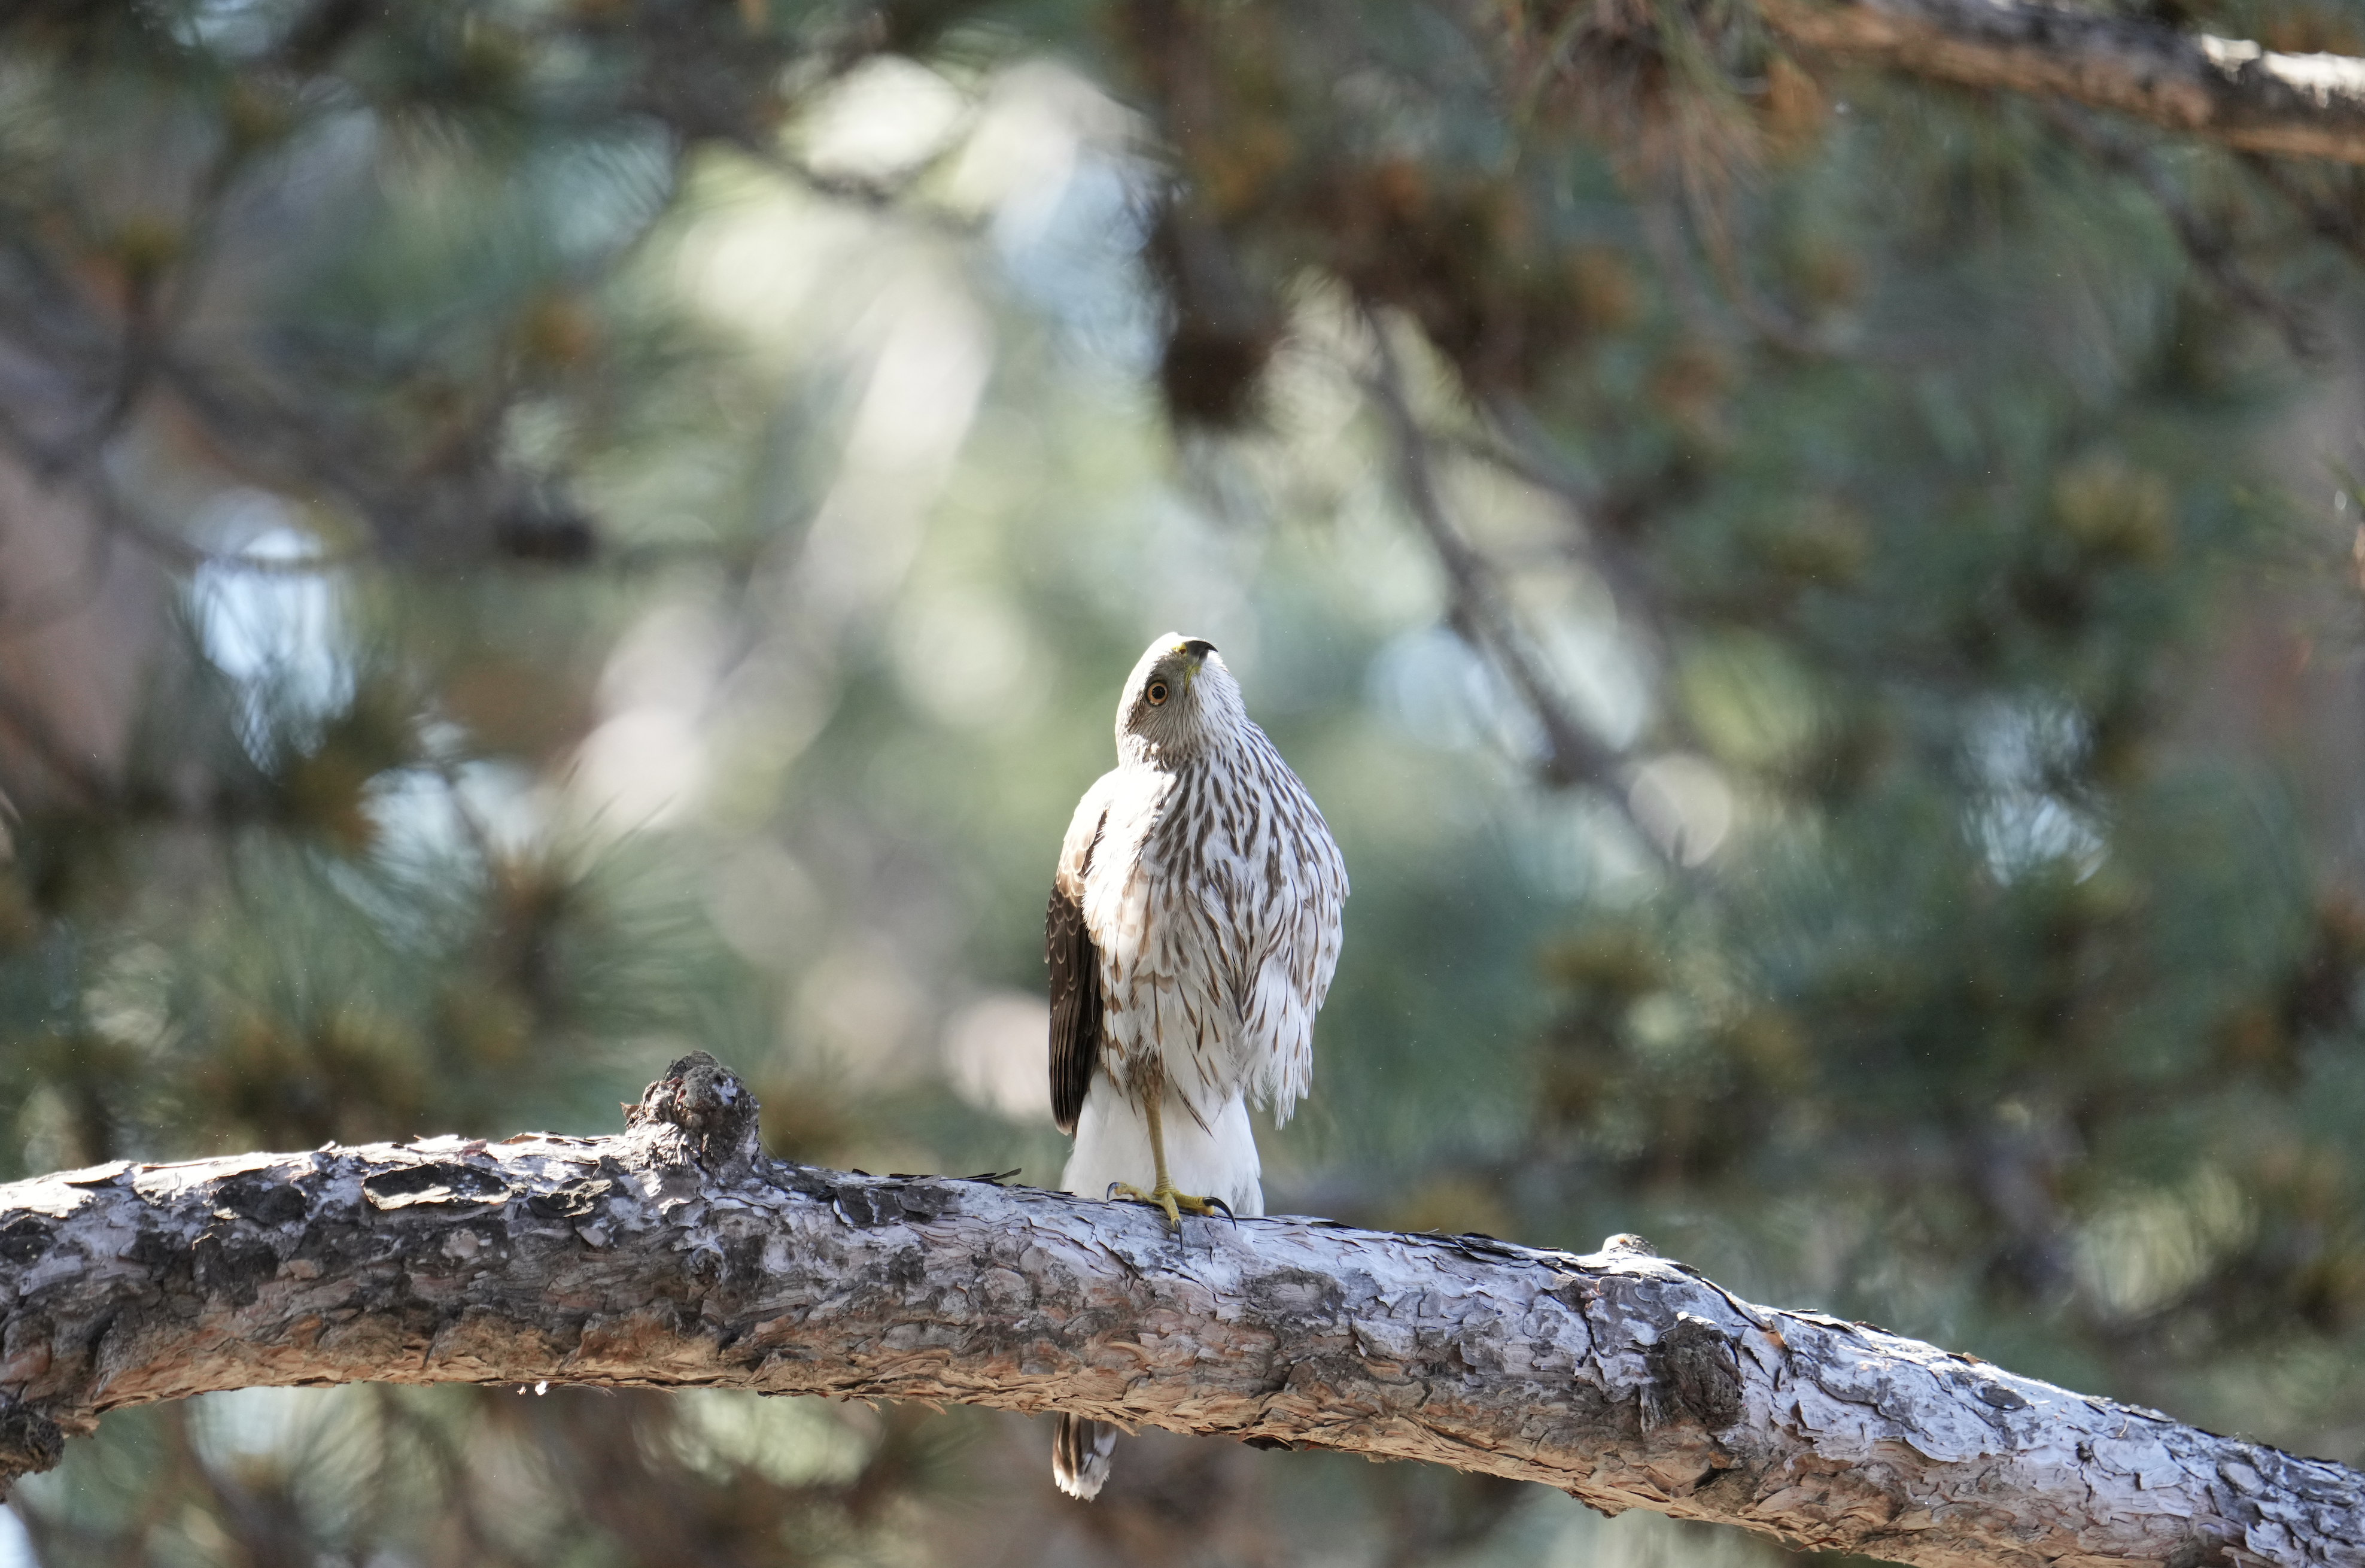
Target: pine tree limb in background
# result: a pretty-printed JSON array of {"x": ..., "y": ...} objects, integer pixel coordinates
[
  {"x": 677, "y": 1255},
  {"x": 2229, "y": 90},
  {"x": 1573, "y": 755}
]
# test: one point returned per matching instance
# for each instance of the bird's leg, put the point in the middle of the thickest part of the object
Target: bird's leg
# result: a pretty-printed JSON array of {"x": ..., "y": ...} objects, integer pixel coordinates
[{"x": 1163, "y": 1195}]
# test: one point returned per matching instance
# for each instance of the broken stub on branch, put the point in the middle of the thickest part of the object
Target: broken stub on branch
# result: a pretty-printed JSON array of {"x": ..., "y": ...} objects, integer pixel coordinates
[{"x": 712, "y": 1106}]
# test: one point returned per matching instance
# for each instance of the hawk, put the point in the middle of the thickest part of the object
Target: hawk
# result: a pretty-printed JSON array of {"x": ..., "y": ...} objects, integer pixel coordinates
[{"x": 1193, "y": 932}]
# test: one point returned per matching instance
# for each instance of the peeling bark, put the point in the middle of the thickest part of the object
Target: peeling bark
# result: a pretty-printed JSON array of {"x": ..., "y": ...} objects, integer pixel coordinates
[
  {"x": 677, "y": 1255},
  {"x": 2308, "y": 106}
]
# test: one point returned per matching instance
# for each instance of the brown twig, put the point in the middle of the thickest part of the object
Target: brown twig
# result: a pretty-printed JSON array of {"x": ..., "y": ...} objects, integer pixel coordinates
[
  {"x": 2209, "y": 247},
  {"x": 2328, "y": 223},
  {"x": 1573, "y": 753},
  {"x": 2227, "y": 90}
]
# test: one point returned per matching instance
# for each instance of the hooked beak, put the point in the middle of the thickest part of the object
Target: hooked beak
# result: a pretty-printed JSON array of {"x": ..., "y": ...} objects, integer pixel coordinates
[{"x": 1196, "y": 650}]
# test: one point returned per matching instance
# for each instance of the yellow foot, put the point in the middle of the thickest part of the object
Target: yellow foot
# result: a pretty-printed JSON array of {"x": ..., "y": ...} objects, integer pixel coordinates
[{"x": 1176, "y": 1204}]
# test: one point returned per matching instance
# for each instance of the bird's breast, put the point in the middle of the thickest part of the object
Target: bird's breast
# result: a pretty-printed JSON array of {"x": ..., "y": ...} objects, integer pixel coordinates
[{"x": 1118, "y": 888}]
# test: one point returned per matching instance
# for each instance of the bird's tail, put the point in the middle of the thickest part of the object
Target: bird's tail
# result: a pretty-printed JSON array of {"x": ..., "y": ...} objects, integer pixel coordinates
[{"x": 1080, "y": 1456}]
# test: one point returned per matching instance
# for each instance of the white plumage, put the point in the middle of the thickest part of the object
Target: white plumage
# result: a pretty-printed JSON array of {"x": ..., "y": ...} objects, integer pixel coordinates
[
  {"x": 1193, "y": 931},
  {"x": 1218, "y": 1160}
]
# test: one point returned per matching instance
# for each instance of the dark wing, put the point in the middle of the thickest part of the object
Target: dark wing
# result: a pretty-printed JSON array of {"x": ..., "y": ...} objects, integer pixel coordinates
[{"x": 1075, "y": 1007}]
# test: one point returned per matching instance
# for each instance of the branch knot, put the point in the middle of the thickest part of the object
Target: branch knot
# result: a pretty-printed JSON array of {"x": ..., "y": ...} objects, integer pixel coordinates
[
  {"x": 715, "y": 1110},
  {"x": 1693, "y": 1372},
  {"x": 28, "y": 1442}
]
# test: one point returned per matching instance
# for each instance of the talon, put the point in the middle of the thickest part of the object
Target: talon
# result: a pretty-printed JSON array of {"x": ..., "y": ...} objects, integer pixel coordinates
[
  {"x": 1175, "y": 1205},
  {"x": 1219, "y": 1204},
  {"x": 1164, "y": 1197}
]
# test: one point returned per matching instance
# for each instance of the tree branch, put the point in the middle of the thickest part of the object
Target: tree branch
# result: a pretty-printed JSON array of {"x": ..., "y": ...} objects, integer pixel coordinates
[
  {"x": 677, "y": 1255},
  {"x": 2209, "y": 247},
  {"x": 2309, "y": 106},
  {"x": 1573, "y": 753}
]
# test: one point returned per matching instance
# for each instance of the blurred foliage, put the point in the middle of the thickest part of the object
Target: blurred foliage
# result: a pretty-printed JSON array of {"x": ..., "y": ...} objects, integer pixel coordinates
[{"x": 534, "y": 534}]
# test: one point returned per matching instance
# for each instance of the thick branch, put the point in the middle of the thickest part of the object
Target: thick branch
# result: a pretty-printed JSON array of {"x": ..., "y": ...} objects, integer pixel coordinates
[
  {"x": 677, "y": 1255},
  {"x": 2309, "y": 106}
]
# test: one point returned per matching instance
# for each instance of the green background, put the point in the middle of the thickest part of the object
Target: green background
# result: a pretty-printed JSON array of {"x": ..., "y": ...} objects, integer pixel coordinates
[{"x": 535, "y": 536}]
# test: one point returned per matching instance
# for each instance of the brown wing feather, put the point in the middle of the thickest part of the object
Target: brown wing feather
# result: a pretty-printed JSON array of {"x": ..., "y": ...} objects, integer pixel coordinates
[
  {"x": 1075, "y": 1007},
  {"x": 1075, "y": 997}
]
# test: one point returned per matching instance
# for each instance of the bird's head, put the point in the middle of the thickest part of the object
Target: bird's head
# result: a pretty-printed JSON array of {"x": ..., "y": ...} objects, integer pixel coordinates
[{"x": 1179, "y": 701}]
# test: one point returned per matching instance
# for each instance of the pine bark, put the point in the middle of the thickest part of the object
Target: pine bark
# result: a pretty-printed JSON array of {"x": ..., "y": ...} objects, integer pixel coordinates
[
  {"x": 677, "y": 1254},
  {"x": 2309, "y": 106}
]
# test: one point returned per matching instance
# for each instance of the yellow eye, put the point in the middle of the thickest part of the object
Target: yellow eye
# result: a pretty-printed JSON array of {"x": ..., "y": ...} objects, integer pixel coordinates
[{"x": 1157, "y": 693}]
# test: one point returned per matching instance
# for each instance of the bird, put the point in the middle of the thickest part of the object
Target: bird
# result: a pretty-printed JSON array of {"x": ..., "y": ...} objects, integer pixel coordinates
[{"x": 1193, "y": 928}]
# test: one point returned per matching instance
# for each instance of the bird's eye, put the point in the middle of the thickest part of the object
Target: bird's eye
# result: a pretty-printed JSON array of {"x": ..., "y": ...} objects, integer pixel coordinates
[{"x": 1157, "y": 693}]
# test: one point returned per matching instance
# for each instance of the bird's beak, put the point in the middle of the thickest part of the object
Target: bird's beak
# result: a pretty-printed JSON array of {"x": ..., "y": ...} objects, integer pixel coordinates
[{"x": 1196, "y": 650}]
